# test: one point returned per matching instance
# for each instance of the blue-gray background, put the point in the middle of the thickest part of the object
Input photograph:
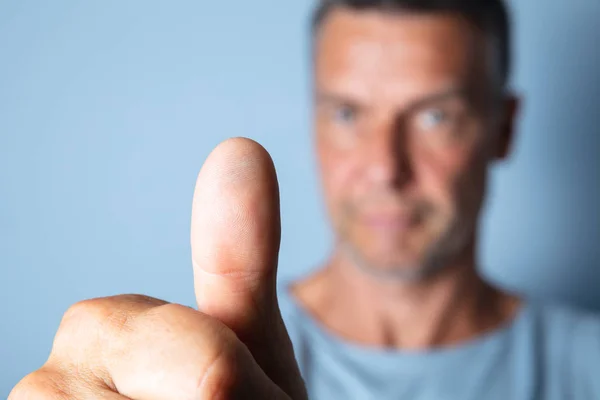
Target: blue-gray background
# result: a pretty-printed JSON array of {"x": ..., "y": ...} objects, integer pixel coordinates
[{"x": 108, "y": 109}]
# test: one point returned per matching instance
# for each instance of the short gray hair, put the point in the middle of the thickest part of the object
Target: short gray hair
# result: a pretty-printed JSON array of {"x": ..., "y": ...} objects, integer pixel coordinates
[{"x": 490, "y": 16}]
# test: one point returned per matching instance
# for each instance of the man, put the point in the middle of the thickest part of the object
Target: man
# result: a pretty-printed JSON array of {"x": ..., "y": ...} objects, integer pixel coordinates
[{"x": 411, "y": 109}]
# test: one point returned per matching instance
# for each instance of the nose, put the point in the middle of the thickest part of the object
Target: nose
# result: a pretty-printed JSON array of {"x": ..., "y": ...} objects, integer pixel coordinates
[{"x": 389, "y": 159}]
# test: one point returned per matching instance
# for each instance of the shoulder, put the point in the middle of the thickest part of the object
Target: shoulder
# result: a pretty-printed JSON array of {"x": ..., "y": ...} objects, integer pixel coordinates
[
  {"x": 561, "y": 326},
  {"x": 568, "y": 321},
  {"x": 571, "y": 338}
]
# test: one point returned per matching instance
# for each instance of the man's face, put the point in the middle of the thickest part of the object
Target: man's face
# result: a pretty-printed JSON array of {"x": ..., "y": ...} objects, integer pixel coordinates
[{"x": 405, "y": 127}]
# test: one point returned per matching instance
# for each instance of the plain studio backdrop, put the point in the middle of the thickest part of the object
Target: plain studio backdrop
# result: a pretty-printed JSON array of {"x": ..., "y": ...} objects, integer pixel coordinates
[{"x": 109, "y": 108}]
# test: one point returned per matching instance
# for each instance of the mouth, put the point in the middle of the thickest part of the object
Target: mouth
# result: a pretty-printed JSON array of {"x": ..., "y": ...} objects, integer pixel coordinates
[{"x": 391, "y": 223}]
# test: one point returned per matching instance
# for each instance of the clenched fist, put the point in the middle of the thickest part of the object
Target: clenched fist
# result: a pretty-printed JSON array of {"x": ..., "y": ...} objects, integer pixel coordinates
[{"x": 235, "y": 346}]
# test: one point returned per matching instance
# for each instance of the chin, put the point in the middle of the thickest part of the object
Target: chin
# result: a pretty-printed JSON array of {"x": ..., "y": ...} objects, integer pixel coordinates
[
  {"x": 392, "y": 267},
  {"x": 414, "y": 273}
]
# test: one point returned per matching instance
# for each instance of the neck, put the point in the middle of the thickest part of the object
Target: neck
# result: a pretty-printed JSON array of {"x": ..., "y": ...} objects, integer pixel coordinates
[{"x": 454, "y": 306}]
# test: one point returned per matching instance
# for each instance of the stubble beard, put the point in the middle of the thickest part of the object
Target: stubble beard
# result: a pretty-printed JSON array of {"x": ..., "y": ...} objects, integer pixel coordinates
[{"x": 440, "y": 255}]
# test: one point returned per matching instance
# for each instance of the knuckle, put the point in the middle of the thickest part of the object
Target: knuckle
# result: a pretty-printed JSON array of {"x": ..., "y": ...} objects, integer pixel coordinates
[
  {"x": 78, "y": 326},
  {"x": 88, "y": 321},
  {"x": 223, "y": 376},
  {"x": 119, "y": 312},
  {"x": 172, "y": 309},
  {"x": 85, "y": 312},
  {"x": 176, "y": 318},
  {"x": 113, "y": 313}
]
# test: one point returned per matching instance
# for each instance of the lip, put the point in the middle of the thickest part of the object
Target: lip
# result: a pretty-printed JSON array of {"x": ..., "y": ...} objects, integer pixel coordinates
[{"x": 388, "y": 222}]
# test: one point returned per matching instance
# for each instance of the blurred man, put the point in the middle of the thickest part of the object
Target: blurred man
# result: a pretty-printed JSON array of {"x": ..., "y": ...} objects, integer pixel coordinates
[{"x": 411, "y": 108}]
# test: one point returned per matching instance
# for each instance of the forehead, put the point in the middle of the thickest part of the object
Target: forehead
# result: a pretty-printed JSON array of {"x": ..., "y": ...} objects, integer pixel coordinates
[{"x": 372, "y": 53}]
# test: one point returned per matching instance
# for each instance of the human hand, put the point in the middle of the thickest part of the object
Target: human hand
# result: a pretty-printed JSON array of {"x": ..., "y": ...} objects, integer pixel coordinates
[{"x": 235, "y": 346}]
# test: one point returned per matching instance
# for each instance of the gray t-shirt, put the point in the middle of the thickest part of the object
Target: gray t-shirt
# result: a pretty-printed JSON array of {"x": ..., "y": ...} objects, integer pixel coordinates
[{"x": 546, "y": 352}]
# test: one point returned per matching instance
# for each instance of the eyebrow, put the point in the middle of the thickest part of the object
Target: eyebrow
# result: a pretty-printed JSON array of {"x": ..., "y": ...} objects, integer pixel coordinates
[
  {"x": 335, "y": 98},
  {"x": 448, "y": 93}
]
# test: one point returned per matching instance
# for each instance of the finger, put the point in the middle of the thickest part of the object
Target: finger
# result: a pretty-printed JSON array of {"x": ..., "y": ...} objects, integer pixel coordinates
[
  {"x": 235, "y": 234},
  {"x": 235, "y": 244},
  {"x": 146, "y": 349},
  {"x": 49, "y": 384},
  {"x": 173, "y": 352}
]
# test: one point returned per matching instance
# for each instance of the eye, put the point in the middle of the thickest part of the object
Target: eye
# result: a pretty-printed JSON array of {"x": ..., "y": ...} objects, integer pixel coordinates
[
  {"x": 432, "y": 118},
  {"x": 344, "y": 114}
]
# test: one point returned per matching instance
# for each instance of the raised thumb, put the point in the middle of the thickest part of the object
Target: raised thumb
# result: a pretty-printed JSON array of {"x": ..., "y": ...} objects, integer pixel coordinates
[{"x": 235, "y": 244}]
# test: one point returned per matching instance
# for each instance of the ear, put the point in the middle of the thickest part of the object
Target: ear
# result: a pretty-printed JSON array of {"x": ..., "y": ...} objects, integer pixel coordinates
[{"x": 511, "y": 107}]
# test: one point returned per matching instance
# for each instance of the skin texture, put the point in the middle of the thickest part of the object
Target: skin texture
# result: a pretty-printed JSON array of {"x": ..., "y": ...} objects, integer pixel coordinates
[
  {"x": 234, "y": 346},
  {"x": 407, "y": 122}
]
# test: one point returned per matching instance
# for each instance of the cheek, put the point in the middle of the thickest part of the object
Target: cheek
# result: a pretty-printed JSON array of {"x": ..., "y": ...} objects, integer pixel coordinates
[
  {"x": 438, "y": 174},
  {"x": 338, "y": 176}
]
